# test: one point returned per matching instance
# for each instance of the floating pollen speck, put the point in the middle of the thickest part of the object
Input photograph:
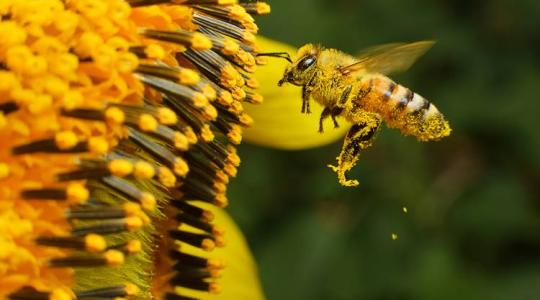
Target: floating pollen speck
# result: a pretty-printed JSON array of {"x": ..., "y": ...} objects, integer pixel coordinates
[
  {"x": 394, "y": 236},
  {"x": 118, "y": 125}
]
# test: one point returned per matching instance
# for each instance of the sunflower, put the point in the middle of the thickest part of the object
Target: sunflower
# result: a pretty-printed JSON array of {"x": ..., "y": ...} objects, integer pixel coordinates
[{"x": 119, "y": 121}]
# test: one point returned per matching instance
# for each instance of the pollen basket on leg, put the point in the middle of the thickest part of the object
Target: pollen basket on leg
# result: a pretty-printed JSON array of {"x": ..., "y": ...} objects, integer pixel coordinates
[{"x": 121, "y": 120}]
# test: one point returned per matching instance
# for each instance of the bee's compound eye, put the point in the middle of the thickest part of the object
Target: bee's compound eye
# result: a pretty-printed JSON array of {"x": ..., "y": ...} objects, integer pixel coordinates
[{"x": 306, "y": 62}]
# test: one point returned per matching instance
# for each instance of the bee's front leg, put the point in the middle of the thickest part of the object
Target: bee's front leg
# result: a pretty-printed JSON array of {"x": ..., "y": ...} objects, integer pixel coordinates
[
  {"x": 305, "y": 100},
  {"x": 359, "y": 137},
  {"x": 306, "y": 93}
]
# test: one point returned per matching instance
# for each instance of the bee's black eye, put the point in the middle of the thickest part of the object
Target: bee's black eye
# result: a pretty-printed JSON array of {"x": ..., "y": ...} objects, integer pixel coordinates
[{"x": 306, "y": 62}]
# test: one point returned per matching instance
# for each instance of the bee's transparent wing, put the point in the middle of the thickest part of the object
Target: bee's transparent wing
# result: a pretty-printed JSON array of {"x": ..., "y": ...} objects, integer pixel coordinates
[{"x": 388, "y": 58}]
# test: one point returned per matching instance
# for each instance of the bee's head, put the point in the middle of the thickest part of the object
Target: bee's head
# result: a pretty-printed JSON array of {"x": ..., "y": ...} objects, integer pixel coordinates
[{"x": 302, "y": 67}]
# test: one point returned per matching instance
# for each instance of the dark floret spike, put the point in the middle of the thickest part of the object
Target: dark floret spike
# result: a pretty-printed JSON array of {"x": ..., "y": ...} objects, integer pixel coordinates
[
  {"x": 48, "y": 146},
  {"x": 95, "y": 212},
  {"x": 8, "y": 107},
  {"x": 106, "y": 293}
]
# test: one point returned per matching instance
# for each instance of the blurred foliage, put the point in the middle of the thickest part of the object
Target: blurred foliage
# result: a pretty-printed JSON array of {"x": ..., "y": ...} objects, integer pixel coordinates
[{"x": 473, "y": 227}]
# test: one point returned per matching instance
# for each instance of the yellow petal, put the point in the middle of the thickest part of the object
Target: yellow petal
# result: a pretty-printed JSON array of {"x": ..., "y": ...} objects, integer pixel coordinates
[{"x": 278, "y": 121}]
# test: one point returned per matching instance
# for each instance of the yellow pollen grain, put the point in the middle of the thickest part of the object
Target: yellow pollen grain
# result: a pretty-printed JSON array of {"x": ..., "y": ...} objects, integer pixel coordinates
[
  {"x": 120, "y": 167},
  {"x": 87, "y": 44},
  {"x": 154, "y": 51},
  {"x": 208, "y": 245},
  {"x": 217, "y": 230},
  {"x": 166, "y": 177},
  {"x": 261, "y": 61},
  {"x": 143, "y": 170},
  {"x": 60, "y": 294},
  {"x": 206, "y": 134},
  {"x": 251, "y": 69},
  {"x": 210, "y": 113},
  {"x": 12, "y": 34},
  {"x": 222, "y": 177},
  {"x": 148, "y": 123},
  {"x": 227, "y": 2},
  {"x": 134, "y": 246},
  {"x": 231, "y": 170},
  {"x": 133, "y": 223},
  {"x": 221, "y": 201},
  {"x": 72, "y": 99},
  {"x": 77, "y": 193},
  {"x": 98, "y": 145},
  {"x": 252, "y": 83},
  {"x": 199, "y": 100},
  {"x": 257, "y": 99},
  {"x": 263, "y": 8},
  {"x": 4, "y": 170},
  {"x": 209, "y": 92},
  {"x": 235, "y": 135},
  {"x": 190, "y": 134},
  {"x": 208, "y": 215},
  {"x": 200, "y": 42},
  {"x": 215, "y": 263},
  {"x": 115, "y": 115},
  {"x": 249, "y": 37},
  {"x": 229, "y": 73},
  {"x": 214, "y": 288},
  {"x": 95, "y": 243},
  {"x": 114, "y": 258},
  {"x": 8, "y": 81},
  {"x": 167, "y": 116},
  {"x": 239, "y": 94},
  {"x": 394, "y": 236},
  {"x": 230, "y": 47},
  {"x": 131, "y": 289},
  {"x": 246, "y": 58},
  {"x": 220, "y": 187},
  {"x": 234, "y": 159},
  {"x": 148, "y": 201},
  {"x": 188, "y": 77},
  {"x": 236, "y": 107},
  {"x": 131, "y": 209},
  {"x": 215, "y": 273},
  {"x": 405, "y": 209},
  {"x": 225, "y": 98},
  {"x": 180, "y": 141},
  {"x": 246, "y": 120},
  {"x": 180, "y": 167},
  {"x": 40, "y": 104},
  {"x": 220, "y": 241},
  {"x": 126, "y": 62},
  {"x": 237, "y": 12}
]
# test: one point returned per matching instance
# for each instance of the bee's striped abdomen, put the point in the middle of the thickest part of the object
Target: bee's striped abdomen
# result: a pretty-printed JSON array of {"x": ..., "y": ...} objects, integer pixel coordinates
[{"x": 402, "y": 108}]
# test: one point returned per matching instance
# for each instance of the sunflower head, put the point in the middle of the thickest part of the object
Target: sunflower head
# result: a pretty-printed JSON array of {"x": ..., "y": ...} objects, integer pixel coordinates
[{"x": 118, "y": 123}]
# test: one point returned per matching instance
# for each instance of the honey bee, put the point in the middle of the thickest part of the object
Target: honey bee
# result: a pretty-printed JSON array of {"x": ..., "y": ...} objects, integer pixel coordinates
[{"x": 357, "y": 89}]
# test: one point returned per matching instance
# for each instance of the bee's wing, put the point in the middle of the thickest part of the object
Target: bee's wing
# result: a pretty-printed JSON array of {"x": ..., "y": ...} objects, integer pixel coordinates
[{"x": 388, "y": 58}]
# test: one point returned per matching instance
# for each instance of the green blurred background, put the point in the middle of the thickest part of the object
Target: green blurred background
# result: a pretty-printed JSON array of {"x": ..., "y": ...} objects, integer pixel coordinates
[{"x": 473, "y": 227}]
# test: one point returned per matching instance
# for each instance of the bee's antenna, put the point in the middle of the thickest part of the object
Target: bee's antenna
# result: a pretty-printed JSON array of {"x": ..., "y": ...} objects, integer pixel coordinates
[{"x": 283, "y": 55}]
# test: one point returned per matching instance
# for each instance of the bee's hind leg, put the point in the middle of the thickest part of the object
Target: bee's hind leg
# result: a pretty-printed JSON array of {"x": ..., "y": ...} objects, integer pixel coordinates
[
  {"x": 359, "y": 137},
  {"x": 336, "y": 111},
  {"x": 324, "y": 114}
]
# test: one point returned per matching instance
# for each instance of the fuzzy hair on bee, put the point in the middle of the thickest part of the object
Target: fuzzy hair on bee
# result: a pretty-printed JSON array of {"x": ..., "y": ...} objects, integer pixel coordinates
[{"x": 358, "y": 89}]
